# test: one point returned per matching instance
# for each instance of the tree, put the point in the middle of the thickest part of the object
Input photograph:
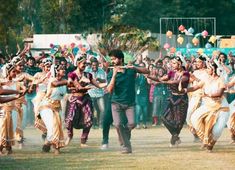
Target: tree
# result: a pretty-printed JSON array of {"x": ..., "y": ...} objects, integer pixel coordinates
[
  {"x": 50, "y": 16},
  {"x": 91, "y": 16},
  {"x": 145, "y": 14},
  {"x": 29, "y": 10},
  {"x": 72, "y": 16},
  {"x": 25, "y": 17},
  {"x": 127, "y": 38},
  {"x": 9, "y": 16}
]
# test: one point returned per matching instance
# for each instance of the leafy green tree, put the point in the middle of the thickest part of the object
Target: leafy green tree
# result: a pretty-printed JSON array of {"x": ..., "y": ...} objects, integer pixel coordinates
[
  {"x": 145, "y": 14},
  {"x": 30, "y": 10},
  {"x": 127, "y": 38},
  {"x": 50, "y": 16},
  {"x": 22, "y": 18},
  {"x": 10, "y": 23},
  {"x": 72, "y": 16}
]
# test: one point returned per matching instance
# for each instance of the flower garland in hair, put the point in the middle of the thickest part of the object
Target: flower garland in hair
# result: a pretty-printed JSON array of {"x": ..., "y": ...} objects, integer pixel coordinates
[
  {"x": 16, "y": 60},
  {"x": 178, "y": 54},
  {"x": 46, "y": 61},
  {"x": 6, "y": 69},
  {"x": 78, "y": 58},
  {"x": 54, "y": 69}
]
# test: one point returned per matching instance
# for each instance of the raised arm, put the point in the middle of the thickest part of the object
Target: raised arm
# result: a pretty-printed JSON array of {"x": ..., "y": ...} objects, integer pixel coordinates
[
  {"x": 226, "y": 68},
  {"x": 230, "y": 84}
]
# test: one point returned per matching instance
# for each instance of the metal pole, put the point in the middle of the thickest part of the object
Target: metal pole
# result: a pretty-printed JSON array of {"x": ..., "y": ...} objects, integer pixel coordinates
[
  {"x": 214, "y": 26},
  {"x": 160, "y": 38},
  {"x": 216, "y": 43},
  {"x": 188, "y": 18}
]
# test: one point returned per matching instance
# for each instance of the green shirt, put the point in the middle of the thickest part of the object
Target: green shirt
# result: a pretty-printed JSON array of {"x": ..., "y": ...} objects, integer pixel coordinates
[
  {"x": 161, "y": 90},
  {"x": 141, "y": 86},
  {"x": 124, "y": 88}
]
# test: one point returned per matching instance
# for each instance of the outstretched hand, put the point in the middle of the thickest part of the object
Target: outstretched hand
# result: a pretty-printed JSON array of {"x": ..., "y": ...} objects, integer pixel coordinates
[{"x": 22, "y": 92}]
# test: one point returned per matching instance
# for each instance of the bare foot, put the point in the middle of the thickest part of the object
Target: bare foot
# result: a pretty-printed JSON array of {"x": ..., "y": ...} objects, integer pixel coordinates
[
  {"x": 20, "y": 145},
  {"x": 68, "y": 140},
  {"x": 209, "y": 151},
  {"x": 83, "y": 145},
  {"x": 57, "y": 151},
  {"x": 203, "y": 146},
  {"x": 173, "y": 146},
  {"x": 232, "y": 142}
]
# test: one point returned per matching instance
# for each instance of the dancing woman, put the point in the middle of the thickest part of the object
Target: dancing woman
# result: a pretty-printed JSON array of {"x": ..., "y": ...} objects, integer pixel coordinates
[
  {"x": 175, "y": 114},
  {"x": 195, "y": 98},
  {"x": 50, "y": 107},
  {"x": 231, "y": 121},
  {"x": 6, "y": 122},
  {"x": 21, "y": 78},
  {"x": 79, "y": 112},
  {"x": 42, "y": 79},
  {"x": 210, "y": 118}
]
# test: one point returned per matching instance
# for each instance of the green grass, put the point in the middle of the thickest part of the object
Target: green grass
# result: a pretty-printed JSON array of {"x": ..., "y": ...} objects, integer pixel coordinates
[{"x": 150, "y": 151}]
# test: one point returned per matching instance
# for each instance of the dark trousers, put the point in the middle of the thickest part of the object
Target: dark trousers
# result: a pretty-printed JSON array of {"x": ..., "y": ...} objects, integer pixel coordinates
[
  {"x": 124, "y": 121},
  {"x": 107, "y": 119}
]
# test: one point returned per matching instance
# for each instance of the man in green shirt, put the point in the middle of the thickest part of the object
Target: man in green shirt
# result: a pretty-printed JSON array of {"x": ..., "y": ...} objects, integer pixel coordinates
[{"x": 122, "y": 86}]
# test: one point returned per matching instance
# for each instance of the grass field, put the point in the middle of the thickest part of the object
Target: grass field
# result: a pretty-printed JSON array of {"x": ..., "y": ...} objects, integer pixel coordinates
[{"x": 150, "y": 151}]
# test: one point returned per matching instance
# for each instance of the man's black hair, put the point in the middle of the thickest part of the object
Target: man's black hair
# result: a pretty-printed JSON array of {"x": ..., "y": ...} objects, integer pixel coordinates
[
  {"x": 62, "y": 59},
  {"x": 117, "y": 53},
  {"x": 94, "y": 60},
  {"x": 30, "y": 58},
  {"x": 225, "y": 56}
]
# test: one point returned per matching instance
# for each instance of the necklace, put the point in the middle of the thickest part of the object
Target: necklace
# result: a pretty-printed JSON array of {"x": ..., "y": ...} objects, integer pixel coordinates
[{"x": 79, "y": 75}]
